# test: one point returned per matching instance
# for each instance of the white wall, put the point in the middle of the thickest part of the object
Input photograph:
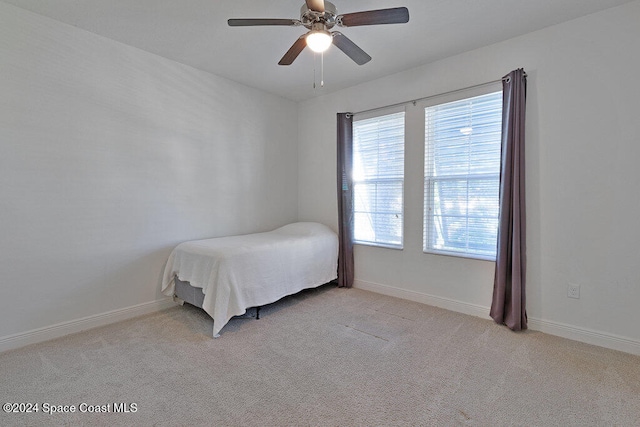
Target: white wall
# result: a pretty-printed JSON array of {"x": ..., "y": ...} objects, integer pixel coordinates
[
  {"x": 582, "y": 151},
  {"x": 109, "y": 156}
]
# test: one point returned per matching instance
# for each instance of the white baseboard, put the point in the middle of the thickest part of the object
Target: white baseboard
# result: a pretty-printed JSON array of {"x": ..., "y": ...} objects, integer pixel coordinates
[
  {"x": 65, "y": 328},
  {"x": 589, "y": 336},
  {"x": 446, "y": 303},
  {"x": 575, "y": 333}
]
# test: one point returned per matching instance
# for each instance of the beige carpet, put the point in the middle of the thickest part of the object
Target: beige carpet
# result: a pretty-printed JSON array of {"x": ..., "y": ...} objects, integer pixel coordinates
[{"x": 326, "y": 357}]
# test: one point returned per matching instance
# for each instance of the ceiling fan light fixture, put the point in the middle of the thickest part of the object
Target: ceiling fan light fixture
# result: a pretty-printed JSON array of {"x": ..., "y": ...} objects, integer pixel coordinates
[
  {"x": 320, "y": 16},
  {"x": 319, "y": 40}
]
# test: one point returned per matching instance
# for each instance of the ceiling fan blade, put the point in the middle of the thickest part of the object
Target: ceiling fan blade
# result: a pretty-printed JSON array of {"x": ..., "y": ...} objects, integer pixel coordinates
[
  {"x": 253, "y": 22},
  {"x": 396, "y": 15},
  {"x": 352, "y": 50},
  {"x": 316, "y": 5},
  {"x": 294, "y": 51}
]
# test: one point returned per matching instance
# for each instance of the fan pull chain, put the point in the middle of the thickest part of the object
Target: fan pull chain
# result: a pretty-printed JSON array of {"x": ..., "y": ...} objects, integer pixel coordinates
[
  {"x": 315, "y": 55},
  {"x": 322, "y": 69}
]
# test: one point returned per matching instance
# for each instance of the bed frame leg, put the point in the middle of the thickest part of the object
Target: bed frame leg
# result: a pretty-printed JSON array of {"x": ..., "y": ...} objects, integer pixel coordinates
[{"x": 257, "y": 313}]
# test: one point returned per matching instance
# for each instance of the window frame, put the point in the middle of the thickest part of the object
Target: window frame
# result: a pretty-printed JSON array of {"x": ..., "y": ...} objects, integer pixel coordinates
[
  {"x": 371, "y": 115},
  {"x": 427, "y": 220}
]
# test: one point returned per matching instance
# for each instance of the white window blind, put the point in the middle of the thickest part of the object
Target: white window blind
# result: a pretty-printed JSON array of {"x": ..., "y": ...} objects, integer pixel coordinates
[
  {"x": 462, "y": 172},
  {"x": 378, "y": 180}
]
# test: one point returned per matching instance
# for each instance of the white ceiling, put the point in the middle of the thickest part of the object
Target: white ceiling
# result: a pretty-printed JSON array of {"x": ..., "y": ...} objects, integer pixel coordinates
[{"x": 195, "y": 32}]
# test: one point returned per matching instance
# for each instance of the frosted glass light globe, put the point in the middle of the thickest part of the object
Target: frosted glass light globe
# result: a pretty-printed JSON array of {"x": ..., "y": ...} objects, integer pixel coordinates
[{"x": 319, "y": 41}]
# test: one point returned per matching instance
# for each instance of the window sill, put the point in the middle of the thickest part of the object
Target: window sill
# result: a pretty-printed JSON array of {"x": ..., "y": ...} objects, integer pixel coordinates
[
  {"x": 461, "y": 255},
  {"x": 379, "y": 245}
]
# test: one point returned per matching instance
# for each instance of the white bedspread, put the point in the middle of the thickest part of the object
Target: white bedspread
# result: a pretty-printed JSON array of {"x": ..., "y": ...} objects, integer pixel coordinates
[{"x": 239, "y": 272}]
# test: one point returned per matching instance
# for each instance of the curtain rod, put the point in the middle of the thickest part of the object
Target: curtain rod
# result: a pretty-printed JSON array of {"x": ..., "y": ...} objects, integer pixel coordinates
[{"x": 414, "y": 101}]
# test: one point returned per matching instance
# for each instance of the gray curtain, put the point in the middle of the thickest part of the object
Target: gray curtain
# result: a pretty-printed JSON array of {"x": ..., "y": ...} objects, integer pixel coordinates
[
  {"x": 345, "y": 200},
  {"x": 508, "y": 305}
]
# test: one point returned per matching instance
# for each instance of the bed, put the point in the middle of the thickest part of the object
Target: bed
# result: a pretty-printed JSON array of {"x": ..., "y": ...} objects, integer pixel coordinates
[{"x": 227, "y": 275}]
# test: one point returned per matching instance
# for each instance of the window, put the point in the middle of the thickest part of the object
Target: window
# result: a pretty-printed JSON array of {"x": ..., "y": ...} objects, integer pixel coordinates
[
  {"x": 378, "y": 180},
  {"x": 462, "y": 176}
]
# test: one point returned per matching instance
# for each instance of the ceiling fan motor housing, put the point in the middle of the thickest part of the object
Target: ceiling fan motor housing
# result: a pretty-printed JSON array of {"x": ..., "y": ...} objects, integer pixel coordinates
[{"x": 308, "y": 17}]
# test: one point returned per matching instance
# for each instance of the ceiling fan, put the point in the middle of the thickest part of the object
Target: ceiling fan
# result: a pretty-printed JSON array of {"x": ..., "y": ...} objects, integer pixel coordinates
[{"x": 319, "y": 17}]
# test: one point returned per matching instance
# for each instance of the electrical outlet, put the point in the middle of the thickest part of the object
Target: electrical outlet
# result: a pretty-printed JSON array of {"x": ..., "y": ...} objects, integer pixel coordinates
[{"x": 573, "y": 291}]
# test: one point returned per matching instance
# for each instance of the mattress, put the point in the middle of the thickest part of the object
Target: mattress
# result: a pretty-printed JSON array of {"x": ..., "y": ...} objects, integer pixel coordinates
[{"x": 239, "y": 272}]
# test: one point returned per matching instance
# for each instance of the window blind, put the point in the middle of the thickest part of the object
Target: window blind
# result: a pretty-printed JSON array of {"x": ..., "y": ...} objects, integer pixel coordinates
[
  {"x": 462, "y": 176},
  {"x": 378, "y": 180}
]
